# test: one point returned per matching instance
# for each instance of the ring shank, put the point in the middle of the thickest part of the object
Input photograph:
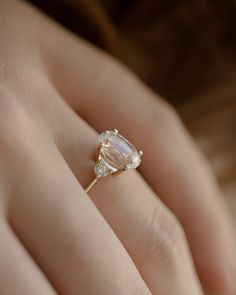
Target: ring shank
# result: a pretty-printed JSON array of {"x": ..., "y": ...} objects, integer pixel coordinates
[{"x": 91, "y": 185}]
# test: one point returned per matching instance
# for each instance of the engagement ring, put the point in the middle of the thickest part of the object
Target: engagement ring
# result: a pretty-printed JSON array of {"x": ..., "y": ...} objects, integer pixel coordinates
[{"x": 115, "y": 154}]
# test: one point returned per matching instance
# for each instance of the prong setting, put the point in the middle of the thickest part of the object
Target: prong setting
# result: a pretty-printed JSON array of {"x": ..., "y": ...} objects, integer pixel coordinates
[
  {"x": 126, "y": 167},
  {"x": 114, "y": 155},
  {"x": 106, "y": 144},
  {"x": 140, "y": 152}
]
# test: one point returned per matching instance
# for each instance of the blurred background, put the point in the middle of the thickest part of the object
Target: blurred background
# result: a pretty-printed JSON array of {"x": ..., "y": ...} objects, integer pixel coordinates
[{"x": 185, "y": 50}]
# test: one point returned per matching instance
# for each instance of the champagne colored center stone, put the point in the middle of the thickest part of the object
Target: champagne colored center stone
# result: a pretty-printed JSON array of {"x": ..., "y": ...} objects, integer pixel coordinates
[{"x": 117, "y": 153}]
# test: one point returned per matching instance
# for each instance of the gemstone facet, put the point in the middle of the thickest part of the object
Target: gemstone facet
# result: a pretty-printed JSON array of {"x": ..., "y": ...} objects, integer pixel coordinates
[
  {"x": 101, "y": 170},
  {"x": 117, "y": 153}
]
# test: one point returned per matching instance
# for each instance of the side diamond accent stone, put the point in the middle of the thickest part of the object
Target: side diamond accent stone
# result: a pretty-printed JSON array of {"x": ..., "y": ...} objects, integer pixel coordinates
[{"x": 101, "y": 170}]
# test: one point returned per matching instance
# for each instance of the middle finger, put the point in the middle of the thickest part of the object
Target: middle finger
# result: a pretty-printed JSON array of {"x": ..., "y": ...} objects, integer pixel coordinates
[{"x": 148, "y": 230}]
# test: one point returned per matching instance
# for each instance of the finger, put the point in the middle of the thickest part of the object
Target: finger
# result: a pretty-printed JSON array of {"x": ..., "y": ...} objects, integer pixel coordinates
[
  {"x": 118, "y": 100},
  {"x": 18, "y": 272},
  {"x": 57, "y": 223},
  {"x": 149, "y": 232},
  {"x": 176, "y": 171},
  {"x": 95, "y": 67}
]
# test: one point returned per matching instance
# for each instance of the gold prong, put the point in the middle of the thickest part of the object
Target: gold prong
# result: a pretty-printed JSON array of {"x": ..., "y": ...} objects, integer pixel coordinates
[
  {"x": 105, "y": 144},
  {"x": 99, "y": 157},
  {"x": 115, "y": 130},
  {"x": 140, "y": 152},
  {"x": 126, "y": 167}
]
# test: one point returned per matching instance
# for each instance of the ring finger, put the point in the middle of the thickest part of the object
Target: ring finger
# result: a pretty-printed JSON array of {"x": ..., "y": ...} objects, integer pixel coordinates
[
  {"x": 148, "y": 230},
  {"x": 52, "y": 216}
]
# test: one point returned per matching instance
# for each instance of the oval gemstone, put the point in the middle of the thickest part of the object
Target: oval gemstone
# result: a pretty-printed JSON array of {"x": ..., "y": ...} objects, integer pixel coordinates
[{"x": 117, "y": 153}]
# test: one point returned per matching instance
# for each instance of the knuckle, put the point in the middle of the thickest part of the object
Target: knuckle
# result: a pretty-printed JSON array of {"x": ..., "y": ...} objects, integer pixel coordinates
[
  {"x": 140, "y": 289},
  {"x": 166, "y": 239},
  {"x": 13, "y": 119},
  {"x": 137, "y": 287}
]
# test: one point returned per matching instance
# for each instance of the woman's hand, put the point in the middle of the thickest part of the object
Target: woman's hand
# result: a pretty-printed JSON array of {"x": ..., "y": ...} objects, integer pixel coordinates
[{"x": 55, "y": 91}]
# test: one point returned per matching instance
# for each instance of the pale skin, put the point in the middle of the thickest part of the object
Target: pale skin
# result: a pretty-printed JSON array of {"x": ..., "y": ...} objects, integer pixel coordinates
[{"x": 162, "y": 230}]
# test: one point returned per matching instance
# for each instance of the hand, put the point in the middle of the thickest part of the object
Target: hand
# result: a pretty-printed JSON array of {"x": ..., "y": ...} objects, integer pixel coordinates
[{"x": 56, "y": 90}]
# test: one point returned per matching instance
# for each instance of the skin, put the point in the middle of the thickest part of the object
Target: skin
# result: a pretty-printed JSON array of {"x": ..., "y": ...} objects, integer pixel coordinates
[{"x": 162, "y": 230}]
